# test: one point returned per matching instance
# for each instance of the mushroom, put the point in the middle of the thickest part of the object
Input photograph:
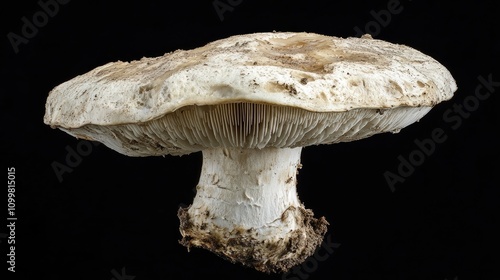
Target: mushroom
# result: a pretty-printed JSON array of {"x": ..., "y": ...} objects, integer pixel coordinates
[{"x": 250, "y": 103}]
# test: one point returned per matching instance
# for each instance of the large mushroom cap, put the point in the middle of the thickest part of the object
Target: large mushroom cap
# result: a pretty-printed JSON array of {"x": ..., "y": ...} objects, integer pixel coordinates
[{"x": 278, "y": 89}]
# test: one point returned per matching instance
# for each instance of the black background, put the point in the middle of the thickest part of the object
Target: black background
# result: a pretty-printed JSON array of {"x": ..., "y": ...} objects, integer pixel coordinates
[{"x": 114, "y": 212}]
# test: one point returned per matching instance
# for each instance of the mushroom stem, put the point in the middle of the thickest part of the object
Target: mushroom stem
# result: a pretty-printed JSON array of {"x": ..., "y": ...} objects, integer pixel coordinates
[{"x": 247, "y": 210}]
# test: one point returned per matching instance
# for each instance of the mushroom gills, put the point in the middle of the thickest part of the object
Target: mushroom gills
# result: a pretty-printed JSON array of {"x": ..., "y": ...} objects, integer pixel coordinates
[{"x": 247, "y": 125}]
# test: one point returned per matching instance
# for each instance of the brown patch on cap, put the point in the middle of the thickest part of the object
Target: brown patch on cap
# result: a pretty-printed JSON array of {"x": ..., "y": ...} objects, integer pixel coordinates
[{"x": 309, "y": 53}]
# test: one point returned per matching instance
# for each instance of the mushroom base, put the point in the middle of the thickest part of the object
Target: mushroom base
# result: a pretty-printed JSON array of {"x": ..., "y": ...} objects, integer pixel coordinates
[
  {"x": 247, "y": 248},
  {"x": 247, "y": 211}
]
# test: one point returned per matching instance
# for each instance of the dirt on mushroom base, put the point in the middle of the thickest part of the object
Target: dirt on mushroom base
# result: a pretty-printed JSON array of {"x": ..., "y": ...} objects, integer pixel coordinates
[{"x": 243, "y": 246}]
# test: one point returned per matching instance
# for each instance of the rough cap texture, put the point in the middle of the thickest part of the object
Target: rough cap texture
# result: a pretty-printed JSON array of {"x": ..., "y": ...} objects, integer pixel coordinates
[
  {"x": 310, "y": 71},
  {"x": 305, "y": 71}
]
